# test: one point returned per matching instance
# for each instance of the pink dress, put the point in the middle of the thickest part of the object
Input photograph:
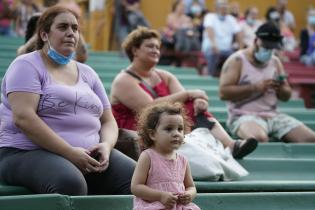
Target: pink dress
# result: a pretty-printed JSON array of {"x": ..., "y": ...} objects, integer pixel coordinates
[{"x": 165, "y": 175}]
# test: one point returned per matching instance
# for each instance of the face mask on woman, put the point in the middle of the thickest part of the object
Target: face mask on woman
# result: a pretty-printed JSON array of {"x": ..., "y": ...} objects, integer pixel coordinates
[
  {"x": 311, "y": 20},
  {"x": 196, "y": 9},
  {"x": 250, "y": 21},
  {"x": 274, "y": 16},
  {"x": 57, "y": 57},
  {"x": 263, "y": 55}
]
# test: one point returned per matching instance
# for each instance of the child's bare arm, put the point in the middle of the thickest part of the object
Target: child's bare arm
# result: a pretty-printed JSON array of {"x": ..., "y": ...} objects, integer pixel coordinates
[
  {"x": 139, "y": 187},
  {"x": 190, "y": 189}
]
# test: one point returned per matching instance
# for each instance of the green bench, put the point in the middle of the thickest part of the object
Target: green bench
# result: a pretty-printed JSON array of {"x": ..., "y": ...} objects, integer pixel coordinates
[
  {"x": 278, "y": 150},
  {"x": 222, "y": 201},
  {"x": 13, "y": 190},
  {"x": 269, "y": 174},
  {"x": 114, "y": 68},
  {"x": 213, "y": 201},
  {"x": 302, "y": 114},
  {"x": 184, "y": 79},
  {"x": 36, "y": 202}
]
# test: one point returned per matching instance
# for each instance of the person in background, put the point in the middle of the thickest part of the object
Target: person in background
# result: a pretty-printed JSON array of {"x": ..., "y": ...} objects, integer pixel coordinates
[
  {"x": 197, "y": 12},
  {"x": 24, "y": 11},
  {"x": 189, "y": 3},
  {"x": 234, "y": 10},
  {"x": 176, "y": 20},
  {"x": 81, "y": 54},
  {"x": 307, "y": 40},
  {"x": 249, "y": 25},
  {"x": 142, "y": 84},
  {"x": 220, "y": 28},
  {"x": 55, "y": 113},
  {"x": 127, "y": 17},
  {"x": 6, "y": 17},
  {"x": 252, "y": 82},
  {"x": 289, "y": 41},
  {"x": 286, "y": 16},
  {"x": 162, "y": 178}
]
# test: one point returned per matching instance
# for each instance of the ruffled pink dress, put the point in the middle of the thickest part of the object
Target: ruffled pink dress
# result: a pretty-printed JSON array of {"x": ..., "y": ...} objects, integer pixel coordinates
[{"x": 166, "y": 175}]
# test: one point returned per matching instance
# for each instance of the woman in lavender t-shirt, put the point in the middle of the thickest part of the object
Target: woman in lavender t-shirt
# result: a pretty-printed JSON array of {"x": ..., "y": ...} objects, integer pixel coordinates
[{"x": 57, "y": 131}]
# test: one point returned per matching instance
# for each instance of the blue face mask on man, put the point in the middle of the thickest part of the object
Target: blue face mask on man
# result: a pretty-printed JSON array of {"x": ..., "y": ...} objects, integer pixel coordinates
[
  {"x": 57, "y": 57},
  {"x": 221, "y": 17},
  {"x": 263, "y": 55}
]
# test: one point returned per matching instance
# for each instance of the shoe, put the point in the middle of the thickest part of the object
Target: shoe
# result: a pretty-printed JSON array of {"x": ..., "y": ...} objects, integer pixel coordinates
[{"x": 241, "y": 150}]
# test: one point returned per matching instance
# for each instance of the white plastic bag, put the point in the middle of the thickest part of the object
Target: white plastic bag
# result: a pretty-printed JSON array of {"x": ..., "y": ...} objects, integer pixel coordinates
[{"x": 208, "y": 159}]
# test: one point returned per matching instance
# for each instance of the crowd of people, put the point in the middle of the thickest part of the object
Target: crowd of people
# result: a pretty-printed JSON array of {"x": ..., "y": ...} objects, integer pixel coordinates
[{"x": 57, "y": 113}]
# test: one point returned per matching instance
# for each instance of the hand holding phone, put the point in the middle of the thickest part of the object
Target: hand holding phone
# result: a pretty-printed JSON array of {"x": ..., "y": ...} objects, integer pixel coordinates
[{"x": 281, "y": 77}]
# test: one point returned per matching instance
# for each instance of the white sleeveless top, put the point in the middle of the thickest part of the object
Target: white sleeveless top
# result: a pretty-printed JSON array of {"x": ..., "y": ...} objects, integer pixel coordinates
[{"x": 260, "y": 104}]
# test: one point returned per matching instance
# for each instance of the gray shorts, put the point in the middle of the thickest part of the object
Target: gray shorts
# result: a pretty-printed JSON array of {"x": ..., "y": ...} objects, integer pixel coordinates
[{"x": 277, "y": 126}]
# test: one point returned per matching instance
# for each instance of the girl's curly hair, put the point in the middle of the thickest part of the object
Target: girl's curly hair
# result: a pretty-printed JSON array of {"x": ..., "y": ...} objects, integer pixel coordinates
[{"x": 148, "y": 119}]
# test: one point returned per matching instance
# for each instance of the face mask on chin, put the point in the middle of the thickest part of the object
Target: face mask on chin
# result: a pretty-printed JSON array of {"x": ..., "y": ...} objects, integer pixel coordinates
[
  {"x": 57, "y": 57},
  {"x": 263, "y": 55}
]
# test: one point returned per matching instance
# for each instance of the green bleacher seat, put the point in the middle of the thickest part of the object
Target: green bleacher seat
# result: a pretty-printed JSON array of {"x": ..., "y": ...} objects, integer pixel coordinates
[
  {"x": 213, "y": 201},
  {"x": 206, "y": 201},
  {"x": 268, "y": 175},
  {"x": 283, "y": 151},
  {"x": 36, "y": 202},
  {"x": 302, "y": 114},
  {"x": 265, "y": 174},
  {"x": 121, "y": 202},
  {"x": 184, "y": 79},
  {"x": 13, "y": 190}
]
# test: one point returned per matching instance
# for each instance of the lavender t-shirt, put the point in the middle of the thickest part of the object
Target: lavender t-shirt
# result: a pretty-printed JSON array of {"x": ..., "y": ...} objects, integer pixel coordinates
[{"x": 73, "y": 112}]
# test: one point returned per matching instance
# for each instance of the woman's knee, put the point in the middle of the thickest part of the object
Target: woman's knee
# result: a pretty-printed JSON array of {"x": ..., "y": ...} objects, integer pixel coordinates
[{"x": 70, "y": 184}]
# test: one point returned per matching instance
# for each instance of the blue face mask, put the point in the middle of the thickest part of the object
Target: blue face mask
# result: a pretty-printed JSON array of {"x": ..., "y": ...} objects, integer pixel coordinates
[
  {"x": 263, "y": 55},
  {"x": 250, "y": 21},
  {"x": 57, "y": 57},
  {"x": 221, "y": 17},
  {"x": 196, "y": 9},
  {"x": 311, "y": 20}
]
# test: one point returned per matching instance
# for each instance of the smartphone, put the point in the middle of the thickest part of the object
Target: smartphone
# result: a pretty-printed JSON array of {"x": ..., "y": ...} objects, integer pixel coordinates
[{"x": 281, "y": 77}]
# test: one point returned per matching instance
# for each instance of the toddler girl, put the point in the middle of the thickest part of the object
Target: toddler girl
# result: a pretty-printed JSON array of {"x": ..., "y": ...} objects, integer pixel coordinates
[{"x": 162, "y": 178}]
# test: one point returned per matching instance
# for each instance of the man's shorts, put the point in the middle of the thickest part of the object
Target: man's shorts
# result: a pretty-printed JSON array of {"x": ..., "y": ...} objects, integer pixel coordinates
[{"x": 276, "y": 126}]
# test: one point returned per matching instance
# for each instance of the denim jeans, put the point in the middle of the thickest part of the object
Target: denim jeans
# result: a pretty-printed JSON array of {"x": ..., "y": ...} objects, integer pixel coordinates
[{"x": 214, "y": 60}]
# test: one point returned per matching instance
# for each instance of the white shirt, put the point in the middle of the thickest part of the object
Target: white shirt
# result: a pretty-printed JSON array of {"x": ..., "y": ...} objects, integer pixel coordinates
[
  {"x": 223, "y": 31},
  {"x": 288, "y": 18}
]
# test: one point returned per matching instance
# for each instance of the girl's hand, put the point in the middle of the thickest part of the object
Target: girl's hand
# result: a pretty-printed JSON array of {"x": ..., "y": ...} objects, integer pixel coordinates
[
  {"x": 185, "y": 198},
  {"x": 200, "y": 105},
  {"x": 168, "y": 199},
  {"x": 81, "y": 158},
  {"x": 101, "y": 152}
]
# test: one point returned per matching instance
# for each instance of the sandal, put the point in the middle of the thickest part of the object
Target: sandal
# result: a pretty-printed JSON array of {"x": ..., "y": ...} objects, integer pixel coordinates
[{"x": 241, "y": 150}]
